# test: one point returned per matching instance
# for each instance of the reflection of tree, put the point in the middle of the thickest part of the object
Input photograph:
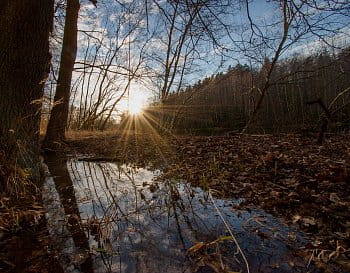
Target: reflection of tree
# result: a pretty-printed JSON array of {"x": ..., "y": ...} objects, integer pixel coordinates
[
  {"x": 139, "y": 219},
  {"x": 64, "y": 186}
]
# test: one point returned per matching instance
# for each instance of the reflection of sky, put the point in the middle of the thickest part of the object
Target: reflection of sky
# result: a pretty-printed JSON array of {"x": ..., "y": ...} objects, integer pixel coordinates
[{"x": 147, "y": 226}]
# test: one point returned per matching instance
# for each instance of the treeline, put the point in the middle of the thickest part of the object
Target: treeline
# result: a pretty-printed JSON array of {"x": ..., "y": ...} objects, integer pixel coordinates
[{"x": 299, "y": 86}]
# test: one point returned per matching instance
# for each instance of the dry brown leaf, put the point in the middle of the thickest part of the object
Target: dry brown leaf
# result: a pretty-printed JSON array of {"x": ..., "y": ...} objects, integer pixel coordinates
[
  {"x": 334, "y": 197},
  {"x": 308, "y": 221}
]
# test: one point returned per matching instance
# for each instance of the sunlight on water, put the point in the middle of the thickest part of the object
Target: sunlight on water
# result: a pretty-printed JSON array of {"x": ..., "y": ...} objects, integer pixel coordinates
[{"x": 110, "y": 218}]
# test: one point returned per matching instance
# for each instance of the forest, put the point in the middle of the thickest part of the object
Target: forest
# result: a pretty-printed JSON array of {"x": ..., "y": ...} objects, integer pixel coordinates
[
  {"x": 224, "y": 101},
  {"x": 165, "y": 136}
]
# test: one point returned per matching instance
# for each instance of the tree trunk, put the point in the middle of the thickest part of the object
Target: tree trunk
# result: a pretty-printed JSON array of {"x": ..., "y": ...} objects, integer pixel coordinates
[
  {"x": 25, "y": 26},
  {"x": 59, "y": 114}
]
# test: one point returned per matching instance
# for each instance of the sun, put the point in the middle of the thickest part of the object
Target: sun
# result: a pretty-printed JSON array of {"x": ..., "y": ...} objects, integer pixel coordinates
[
  {"x": 136, "y": 104},
  {"x": 135, "y": 108}
]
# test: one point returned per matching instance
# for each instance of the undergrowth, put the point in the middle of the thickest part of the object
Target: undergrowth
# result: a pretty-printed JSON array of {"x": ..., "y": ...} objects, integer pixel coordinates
[{"x": 18, "y": 196}]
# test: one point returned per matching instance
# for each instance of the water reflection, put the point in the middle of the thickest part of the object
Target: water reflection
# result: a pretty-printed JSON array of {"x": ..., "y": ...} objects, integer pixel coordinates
[
  {"x": 119, "y": 219},
  {"x": 71, "y": 219}
]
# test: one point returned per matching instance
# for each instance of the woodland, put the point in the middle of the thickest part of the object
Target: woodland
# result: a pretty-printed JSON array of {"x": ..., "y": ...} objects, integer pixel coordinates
[{"x": 172, "y": 136}]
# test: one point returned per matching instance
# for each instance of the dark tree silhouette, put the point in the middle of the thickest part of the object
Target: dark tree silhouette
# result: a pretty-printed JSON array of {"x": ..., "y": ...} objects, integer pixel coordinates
[
  {"x": 59, "y": 114},
  {"x": 25, "y": 27}
]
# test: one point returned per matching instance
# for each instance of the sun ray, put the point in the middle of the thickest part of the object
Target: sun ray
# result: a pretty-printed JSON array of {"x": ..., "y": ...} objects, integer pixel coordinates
[{"x": 156, "y": 138}]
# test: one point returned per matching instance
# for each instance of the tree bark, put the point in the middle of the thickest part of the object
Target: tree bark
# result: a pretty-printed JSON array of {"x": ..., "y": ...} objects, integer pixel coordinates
[
  {"x": 25, "y": 27},
  {"x": 59, "y": 115}
]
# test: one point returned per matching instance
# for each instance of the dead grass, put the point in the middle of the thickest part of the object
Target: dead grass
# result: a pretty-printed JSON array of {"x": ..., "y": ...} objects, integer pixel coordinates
[
  {"x": 23, "y": 234},
  {"x": 14, "y": 180},
  {"x": 17, "y": 195},
  {"x": 71, "y": 135}
]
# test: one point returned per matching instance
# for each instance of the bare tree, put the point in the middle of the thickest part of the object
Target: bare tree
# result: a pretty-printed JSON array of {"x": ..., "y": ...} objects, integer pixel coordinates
[
  {"x": 55, "y": 132},
  {"x": 299, "y": 22},
  {"x": 113, "y": 58},
  {"x": 59, "y": 114}
]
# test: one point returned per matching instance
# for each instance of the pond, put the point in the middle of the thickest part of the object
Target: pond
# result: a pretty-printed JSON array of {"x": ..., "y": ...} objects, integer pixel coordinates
[{"x": 105, "y": 217}]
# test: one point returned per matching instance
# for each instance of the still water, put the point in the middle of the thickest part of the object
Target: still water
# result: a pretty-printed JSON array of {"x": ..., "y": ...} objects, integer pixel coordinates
[{"x": 105, "y": 217}]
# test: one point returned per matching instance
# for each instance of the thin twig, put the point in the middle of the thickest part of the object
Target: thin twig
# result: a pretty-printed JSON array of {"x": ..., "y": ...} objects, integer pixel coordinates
[{"x": 229, "y": 230}]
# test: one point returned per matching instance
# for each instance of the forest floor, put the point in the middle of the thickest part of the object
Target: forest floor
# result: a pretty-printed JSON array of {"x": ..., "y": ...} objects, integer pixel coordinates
[{"x": 290, "y": 176}]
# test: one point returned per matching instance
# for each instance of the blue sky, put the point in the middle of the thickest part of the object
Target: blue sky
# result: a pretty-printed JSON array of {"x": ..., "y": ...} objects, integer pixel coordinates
[{"x": 111, "y": 22}]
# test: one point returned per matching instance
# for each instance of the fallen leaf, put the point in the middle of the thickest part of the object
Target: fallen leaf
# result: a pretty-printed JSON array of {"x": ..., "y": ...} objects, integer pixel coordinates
[
  {"x": 334, "y": 197},
  {"x": 296, "y": 218},
  {"x": 308, "y": 221}
]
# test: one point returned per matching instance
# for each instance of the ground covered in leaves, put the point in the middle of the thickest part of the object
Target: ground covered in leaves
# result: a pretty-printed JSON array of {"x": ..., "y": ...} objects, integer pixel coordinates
[{"x": 289, "y": 176}]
